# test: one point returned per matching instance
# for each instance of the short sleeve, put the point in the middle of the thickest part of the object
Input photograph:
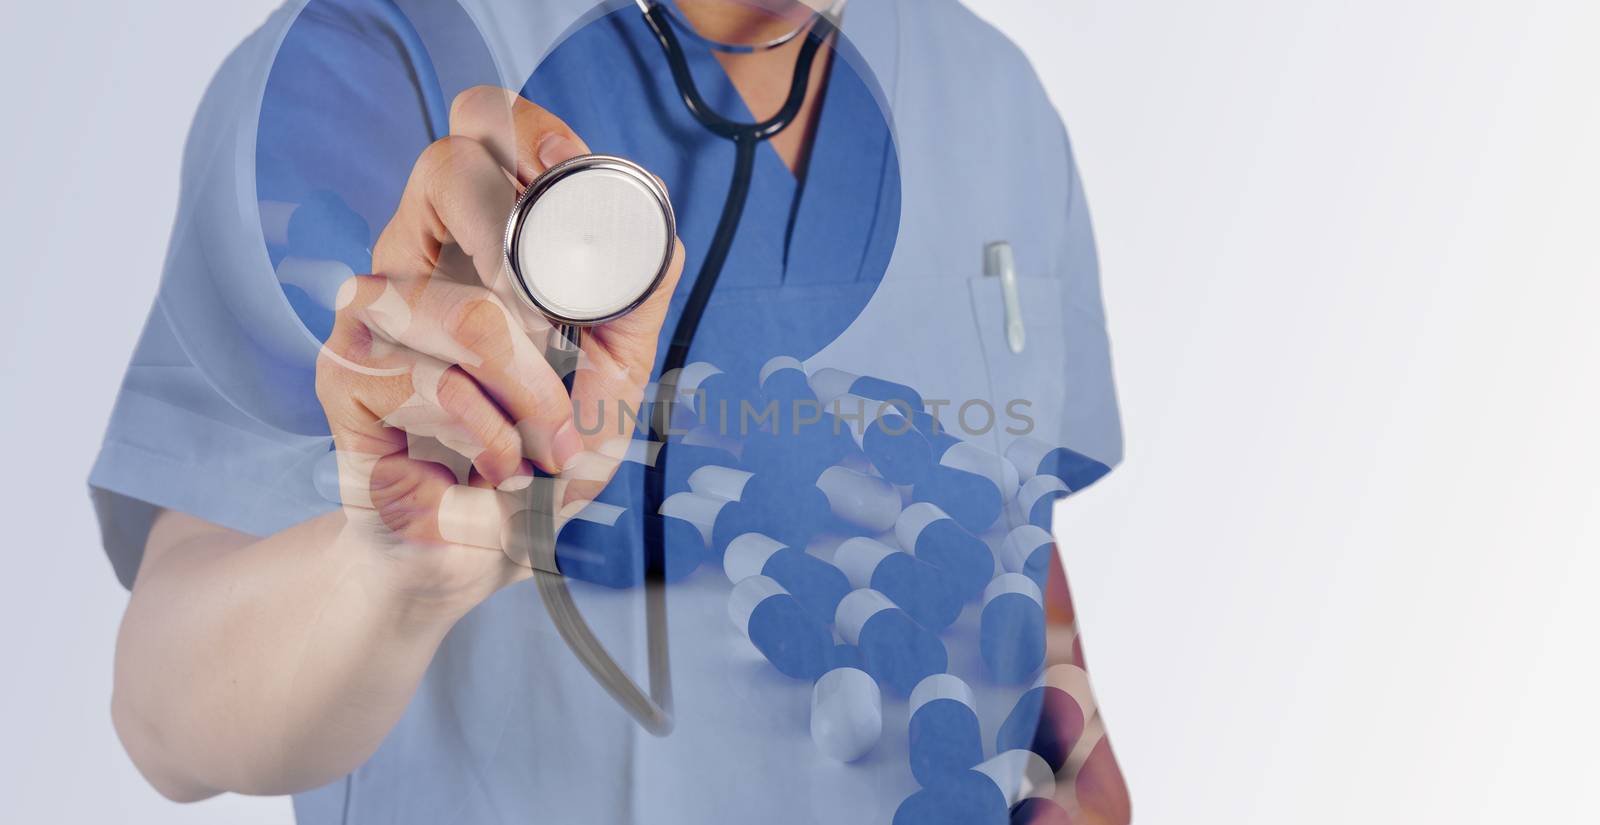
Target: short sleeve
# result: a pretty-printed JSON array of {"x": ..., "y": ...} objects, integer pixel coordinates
[
  {"x": 1092, "y": 419},
  {"x": 297, "y": 156}
]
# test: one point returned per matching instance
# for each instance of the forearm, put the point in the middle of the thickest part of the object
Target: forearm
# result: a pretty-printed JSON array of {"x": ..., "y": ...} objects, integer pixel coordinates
[{"x": 276, "y": 665}]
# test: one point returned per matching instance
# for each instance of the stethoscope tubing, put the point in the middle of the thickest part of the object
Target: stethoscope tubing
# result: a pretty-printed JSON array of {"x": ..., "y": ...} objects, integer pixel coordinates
[{"x": 653, "y": 712}]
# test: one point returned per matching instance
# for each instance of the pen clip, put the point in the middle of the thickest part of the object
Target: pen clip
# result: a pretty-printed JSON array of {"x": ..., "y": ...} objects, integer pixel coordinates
[{"x": 998, "y": 261}]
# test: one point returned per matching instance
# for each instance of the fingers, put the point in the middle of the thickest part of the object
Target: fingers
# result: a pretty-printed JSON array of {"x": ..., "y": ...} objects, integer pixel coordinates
[
  {"x": 521, "y": 136},
  {"x": 476, "y": 380},
  {"x": 457, "y": 194}
]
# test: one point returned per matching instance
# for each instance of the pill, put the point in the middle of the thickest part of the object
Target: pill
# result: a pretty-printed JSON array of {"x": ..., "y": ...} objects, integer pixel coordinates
[
  {"x": 983, "y": 795},
  {"x": 943, "y": 732},
  {"x": 1028, "y": 550},
  {"x": 1033, "y": 457},
  {"x": 860, "y": 501},
  {"x": 898, "y": 451},
  {"x": 1047, "y": 718},
  {"x": 930, "y": 534},
  {"x": 816, "y": 584},
  {"x": 921, "y": 590},
  {"x": 1036, "y": 500},
  {"x": 895, "y": 650},
  {"x": 1011, "y": 630},
  {"x": 783, "y": 380},
  {"x": 972, "y": 500},
  {"x": 829, "y": 384},
  {"x": 603, "y": 544},
  {"x": 793, "y": 640},
  {"x": 846, "y": 713},
  {"x": 794, "y": 441}
]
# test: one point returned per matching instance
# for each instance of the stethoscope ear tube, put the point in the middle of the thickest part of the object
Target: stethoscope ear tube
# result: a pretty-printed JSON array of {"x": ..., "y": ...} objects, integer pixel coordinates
[{"x": 652, "y": 712}]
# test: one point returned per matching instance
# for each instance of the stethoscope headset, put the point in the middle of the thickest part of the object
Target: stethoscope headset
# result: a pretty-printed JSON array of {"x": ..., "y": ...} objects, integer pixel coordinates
[{"x": 584, "y": 196}]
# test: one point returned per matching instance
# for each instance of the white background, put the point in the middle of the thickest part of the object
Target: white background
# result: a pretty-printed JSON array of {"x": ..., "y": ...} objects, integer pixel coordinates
[{"x": 1348, "y": 572}]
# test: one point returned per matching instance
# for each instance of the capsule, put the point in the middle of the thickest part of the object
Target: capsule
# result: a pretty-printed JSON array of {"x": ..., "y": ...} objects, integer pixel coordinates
[
  {"x": 983, "y": 795},
  {"x": 829, "y": 384},
  {"x": 793, "y": 640},
  {"x": 920, "y": 589},
  {"x": 1036, "y": 500},
  {"x": 816, "y": 584},
  {"x": 895, "y": 650},
  {"x": 861, "y": 502},
  {"x": 800, "y": 441},
  {"x": 720, "y": 521},
  {"x": 931, "y": 535},
  {"x": 970, "y": 483},
  {"x": 1028, "y": 550},
  {"x": 601, "y": 545},
  {"x": 792, "y": 514},
  {"x": 1011, "y": 630},
  {"x": 846, "y": 713},
  {"x": 1048, "y": 718},
  {"x": 1033, "y": 457},
  {"x": 783, "y": 380},
  {"x": 943, "y": 732},
  {"x": 888, "y": 439}
]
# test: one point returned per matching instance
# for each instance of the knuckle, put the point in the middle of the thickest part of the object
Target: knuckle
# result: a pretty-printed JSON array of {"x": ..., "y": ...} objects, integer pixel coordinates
[
  {"x": 476, "y": 98},
  {"x": 505, "y": 448},
  {"x": 456, "y": 392},
  {"x": 479, "y": 324},
  {"x": 447, "y": 153}
]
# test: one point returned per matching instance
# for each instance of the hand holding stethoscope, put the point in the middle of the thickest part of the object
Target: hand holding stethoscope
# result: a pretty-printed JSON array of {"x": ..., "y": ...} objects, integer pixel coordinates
[
  {"x": 483, "y": 369},
  {"x": 443, "y": 355}
]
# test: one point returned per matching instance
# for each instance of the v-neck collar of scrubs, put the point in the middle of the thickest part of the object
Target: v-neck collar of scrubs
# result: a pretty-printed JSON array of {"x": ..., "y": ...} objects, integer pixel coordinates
[{"x": 829, "y": 210}]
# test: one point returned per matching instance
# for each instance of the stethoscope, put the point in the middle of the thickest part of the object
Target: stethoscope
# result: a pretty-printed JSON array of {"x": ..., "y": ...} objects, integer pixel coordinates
[{"x": 588, "y": 242}]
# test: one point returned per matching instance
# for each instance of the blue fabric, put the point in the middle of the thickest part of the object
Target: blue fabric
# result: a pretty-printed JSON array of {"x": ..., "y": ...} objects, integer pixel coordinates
[{"x": 872, "y": 263}]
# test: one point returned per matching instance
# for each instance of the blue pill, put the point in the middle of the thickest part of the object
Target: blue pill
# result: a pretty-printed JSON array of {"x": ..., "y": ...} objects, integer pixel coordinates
[
  {"x": 830, "y": 383},
  {"x": 923, "y": 591},
  {"x": 816, "y": 584},
  {"x": 896, "y": 448},
  {"x": 929, "y": 533},
  {"x": 603, "y": 545},
  {"x": 788, "y": 513},
  {"x": 943, "y": 732},
  {"x": 1011, "y": 630},
  {"x": 972, "y": 500},
  {"x": 965, "y": 798},
  {"x": 788, "y": 636},
  {"x": 1034, "y": 458},
  {"x": 861, "y": 504},
  {"x": 1047, "y": 719},
  {"x": 783, "y": 380},
  {"x": 1036, "y": 500},
  {"x": 895, "y": 650},
  {"x": 1028, "y": 550}
]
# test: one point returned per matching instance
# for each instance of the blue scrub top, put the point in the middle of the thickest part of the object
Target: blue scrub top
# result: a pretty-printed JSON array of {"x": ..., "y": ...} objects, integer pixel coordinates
[{"x": 872, "y": 263}]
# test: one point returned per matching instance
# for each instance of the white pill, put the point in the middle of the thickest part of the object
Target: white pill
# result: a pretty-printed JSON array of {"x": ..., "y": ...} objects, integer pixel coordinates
[{"x": 846, "y": 714}]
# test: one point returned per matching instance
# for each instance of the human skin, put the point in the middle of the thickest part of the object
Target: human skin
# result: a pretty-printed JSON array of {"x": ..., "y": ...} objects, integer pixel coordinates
[{"x": 275, "y": 665}]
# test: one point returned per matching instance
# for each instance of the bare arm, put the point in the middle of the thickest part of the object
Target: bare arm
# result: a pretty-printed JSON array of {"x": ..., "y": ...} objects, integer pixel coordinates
[{"x": 278, "y": 665}]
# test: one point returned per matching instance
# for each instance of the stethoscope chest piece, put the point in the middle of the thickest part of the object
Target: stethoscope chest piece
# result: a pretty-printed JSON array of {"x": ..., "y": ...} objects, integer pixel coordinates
[{"x": 590, "y": 240}]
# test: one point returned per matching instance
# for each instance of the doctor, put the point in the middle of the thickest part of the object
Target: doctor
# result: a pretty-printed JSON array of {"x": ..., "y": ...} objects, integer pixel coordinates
[{"x": 277, "y": 642}]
